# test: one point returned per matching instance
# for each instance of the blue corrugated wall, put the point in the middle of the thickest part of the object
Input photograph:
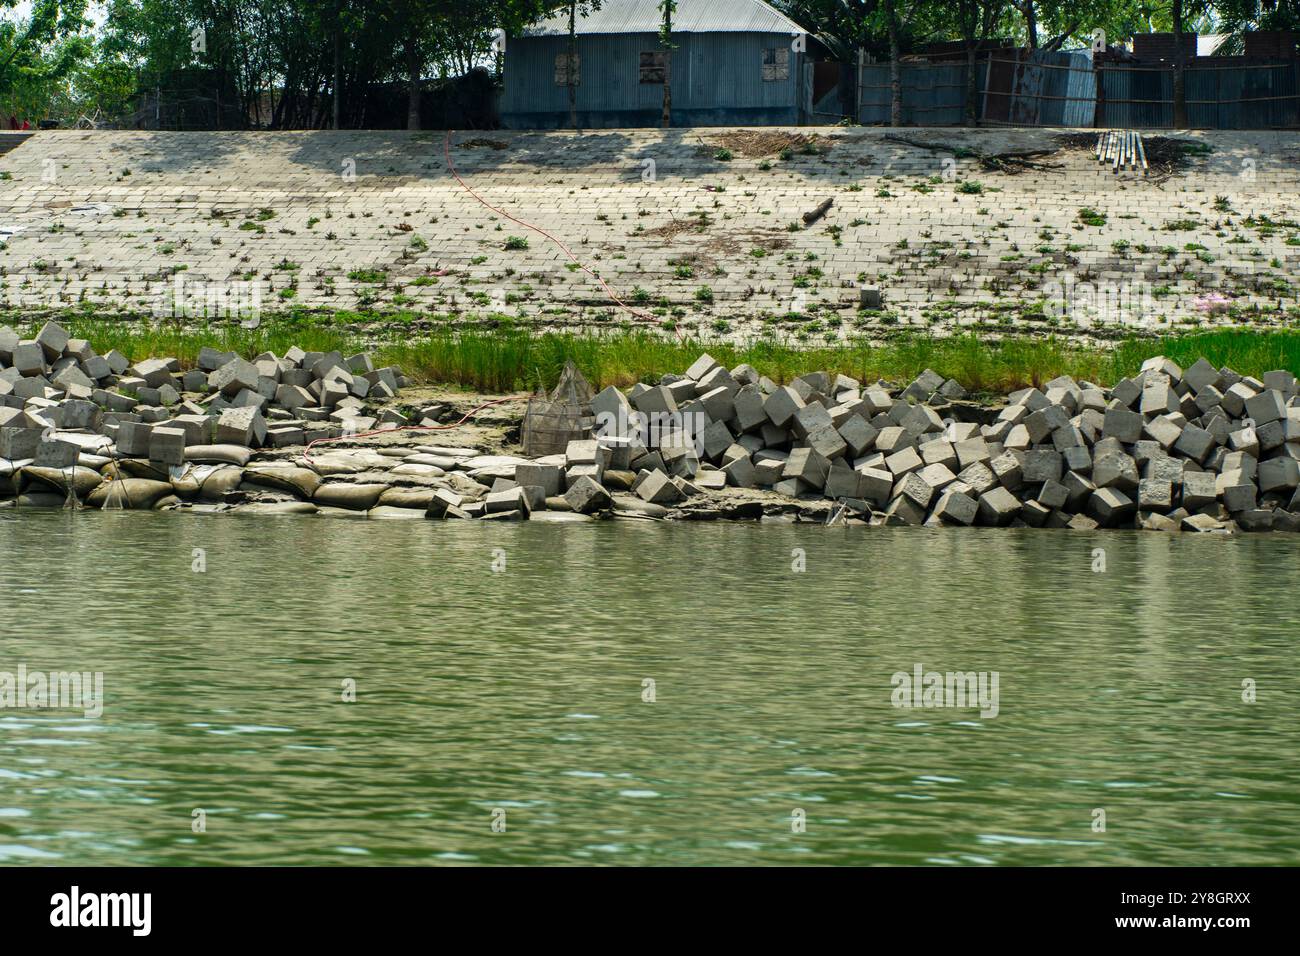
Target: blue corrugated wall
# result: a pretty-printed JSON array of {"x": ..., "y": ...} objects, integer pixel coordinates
[
  {"x": 934, "y": 94},
  {"x": 1236, "y": 97},
  {"x": 717, "y": 80}
]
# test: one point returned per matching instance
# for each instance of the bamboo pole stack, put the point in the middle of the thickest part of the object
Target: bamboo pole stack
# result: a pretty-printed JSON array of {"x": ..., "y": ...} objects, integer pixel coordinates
[{"x": 1121, "y": 149}]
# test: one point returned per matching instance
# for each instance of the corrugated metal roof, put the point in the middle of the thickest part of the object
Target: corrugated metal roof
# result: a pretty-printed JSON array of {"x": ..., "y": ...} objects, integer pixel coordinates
[{"x": 691, "y": 16}]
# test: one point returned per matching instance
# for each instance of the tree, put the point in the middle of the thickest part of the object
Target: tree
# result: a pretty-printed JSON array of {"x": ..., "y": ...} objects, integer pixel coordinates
[
  {"x": 38, "y": 55},
  {"x": 1236, "y": 18},
  {"x": 895, "y": 75},
  {"x": 975, "y": 18},
  {"x": 668, "y": 7},
  {"x": 577, "y": 8},
  {"x": 1180, "y": 79}
]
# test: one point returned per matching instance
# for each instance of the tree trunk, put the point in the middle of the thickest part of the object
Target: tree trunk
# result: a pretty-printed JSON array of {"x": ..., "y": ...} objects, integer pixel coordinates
[
  {"x": 573, "y": 56},
  {"x": 1180, "y": 89},
  {"x": 895, "y": 70},
  {"x": 1031, "y": 23},
  {"x": 413, "y": 89},
  {"x": 338, "y": 69},
  {"x": 972, "y": 85},
  {"x": 667, "y": 119}
]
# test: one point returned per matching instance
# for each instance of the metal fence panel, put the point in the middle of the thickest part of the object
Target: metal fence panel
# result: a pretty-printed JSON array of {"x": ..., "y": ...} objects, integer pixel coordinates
[
  {"x": 1251, "y": 97},
  {"x": 1062, "y": 89},
  {"x": 934, "y": 94},
  {"x": 1136, "y": 98}
]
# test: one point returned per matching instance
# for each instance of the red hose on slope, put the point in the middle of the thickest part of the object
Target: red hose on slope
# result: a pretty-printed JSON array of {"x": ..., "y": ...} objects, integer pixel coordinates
[{"x": 451, "y": 168}]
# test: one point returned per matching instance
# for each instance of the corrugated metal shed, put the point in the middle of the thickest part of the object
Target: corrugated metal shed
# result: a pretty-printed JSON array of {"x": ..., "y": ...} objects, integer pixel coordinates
[
  {"x": 691, "y": 16},
  {"x": 717, "y": 79}
]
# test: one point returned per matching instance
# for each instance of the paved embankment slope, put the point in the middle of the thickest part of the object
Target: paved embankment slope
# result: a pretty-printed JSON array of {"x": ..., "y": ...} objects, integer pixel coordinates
[{"x": 373, "y": 219}]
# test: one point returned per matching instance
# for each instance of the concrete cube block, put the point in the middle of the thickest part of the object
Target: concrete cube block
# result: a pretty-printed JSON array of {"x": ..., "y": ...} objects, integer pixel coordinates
[
  {"x": 748, "y": 412},
  {"x": 656, "y": 400},
  {"x": 915, "y": 488},
  {"x": 717, "y": 378},
  {"x": 658, "y": 489},
  {"x": 1278, "y": 474},
  {"x": 920, "y": 419},
  {"x": 1239, "y": 495},
  {"x": 1115, "y": 470},
  {"x": 1158, "y": 397},
  {"x": 1235, "y": 397},
  {"x": 809, "y": 418},
  {"x": 842, "y": 481},
  {"x": 1009, "y": 469},
  {"x": 167, "y": 445},
  {"x": 719, "y": 404},
  {"x": 905, "y": 510},
  {"x": 1267, "y": 406},
  {"x": 1110, "y": 507},
  {"x": 858, "y": 434},
  {"x": 827, "y": 442},
  {"x": 740, "y": 472},
  {"x": 1195, "y": 443},
  {"x": 937, "y": 476},
  {"x": 133, "y": 439},
  {"x": 545, "y": 476},
  {"x": 1123, "y": 424},
  {"x": 1077, "y": 458},
  {"x": 1201, "y": 375},
  {"x": 56, "y": 453},
  {"x": 1041, "y": 464},
  {"x": 808, "y": 466},
  {"x": 701, "y": 367},
  {"x": 28, "y": 359},
  {"x": 903, "y": 461},
  {"x": 1163, "y": 431},
  {"x": 1053, "y": 494},
  {"x": 892, "y": 438},
  {"x": 768, "y": 471},
  {"x": 233, "y": 377},
  {"x": 241, "y": 426},
  {"x": 875, "y": 484},
  {"x": 978, "y": 477},
  {"x": 1155, "y": 494},
  {"x": 781, "y": 405},
  {"x": 997, "y": 507},
  {"x": 595, "y": 471},
  {"x": 954, "y": 507},
  {"x": 586, "y": 495},
  {"x": 53, "y": 339},
  {"x": 586, "y": 451},
  {"x": 1244, "y": 440}
]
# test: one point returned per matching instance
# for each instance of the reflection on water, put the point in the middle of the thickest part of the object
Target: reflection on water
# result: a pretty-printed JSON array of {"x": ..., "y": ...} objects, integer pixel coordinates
[{"x": 522, "y": 691}]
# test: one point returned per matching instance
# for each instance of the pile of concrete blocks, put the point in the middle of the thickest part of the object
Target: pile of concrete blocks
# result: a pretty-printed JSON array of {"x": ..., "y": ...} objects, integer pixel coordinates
[
  {"x": 1196, "y": 449},
  {"x": 63, "y": 405},
  {"x": 1201, "y": 449}
]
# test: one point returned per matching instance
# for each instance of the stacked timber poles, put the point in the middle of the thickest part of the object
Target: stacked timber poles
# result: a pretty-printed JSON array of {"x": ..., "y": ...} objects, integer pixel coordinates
[{"x": 1122, "y": 148}]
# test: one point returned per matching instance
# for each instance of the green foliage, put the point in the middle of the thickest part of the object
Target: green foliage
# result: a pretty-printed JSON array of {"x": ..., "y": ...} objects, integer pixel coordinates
[{"x": 39, "y": 55}]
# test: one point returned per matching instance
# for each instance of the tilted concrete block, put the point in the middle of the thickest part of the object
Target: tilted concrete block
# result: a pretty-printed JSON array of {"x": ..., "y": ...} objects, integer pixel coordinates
[
  {"x": 1110, "y": 507},
  {"x": 954, "y": 507},
  {"x": 997, "y": 507},
  {"x": 808, "y": 466}
]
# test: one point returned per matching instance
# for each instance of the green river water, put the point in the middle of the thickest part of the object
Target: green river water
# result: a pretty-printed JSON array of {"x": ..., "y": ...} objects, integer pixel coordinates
[{"x": 519, "y": 695}]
